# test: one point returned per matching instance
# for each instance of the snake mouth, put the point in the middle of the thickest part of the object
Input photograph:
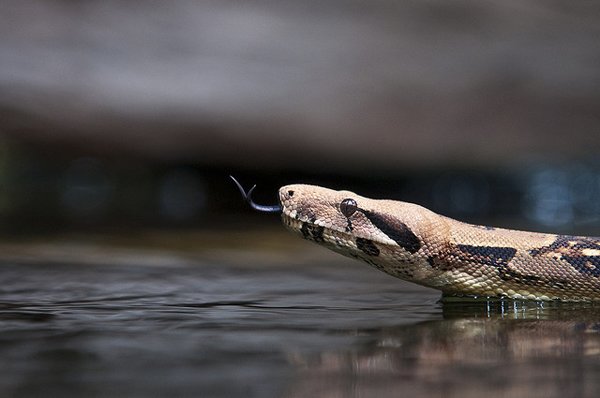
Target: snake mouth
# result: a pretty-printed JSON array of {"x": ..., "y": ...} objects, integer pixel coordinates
[
  {"x": 310, "y": 227},
  {"x": 309, "y": 231}
]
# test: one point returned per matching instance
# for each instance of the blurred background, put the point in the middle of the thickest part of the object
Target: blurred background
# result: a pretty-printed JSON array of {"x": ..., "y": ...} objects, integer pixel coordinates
[
  {"x": 120, "y": 122},
  {"x": 116, "y": 114}
]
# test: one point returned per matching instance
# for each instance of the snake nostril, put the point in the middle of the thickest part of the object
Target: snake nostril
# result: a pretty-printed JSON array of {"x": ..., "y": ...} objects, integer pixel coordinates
[{"x": 290, "y": 193}]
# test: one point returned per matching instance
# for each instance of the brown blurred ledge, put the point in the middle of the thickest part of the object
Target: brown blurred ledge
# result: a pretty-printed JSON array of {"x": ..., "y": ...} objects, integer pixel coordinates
[{"x": 351, "y": 85}]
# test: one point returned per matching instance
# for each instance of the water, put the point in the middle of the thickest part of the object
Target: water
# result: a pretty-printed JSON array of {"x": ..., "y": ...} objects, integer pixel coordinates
[{"x": 222, "y": 330}]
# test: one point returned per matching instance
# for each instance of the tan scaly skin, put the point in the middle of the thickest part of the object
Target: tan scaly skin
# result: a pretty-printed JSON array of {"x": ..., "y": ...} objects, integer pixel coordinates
[{"x": 415, "y": 244}]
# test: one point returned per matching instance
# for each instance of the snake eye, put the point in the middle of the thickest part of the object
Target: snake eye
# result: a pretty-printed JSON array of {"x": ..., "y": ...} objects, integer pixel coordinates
[{"x": 348, "y": 207}]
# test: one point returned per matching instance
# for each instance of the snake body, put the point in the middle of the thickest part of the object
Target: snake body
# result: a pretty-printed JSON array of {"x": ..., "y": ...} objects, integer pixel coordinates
[{"x": 413, "y": 243}]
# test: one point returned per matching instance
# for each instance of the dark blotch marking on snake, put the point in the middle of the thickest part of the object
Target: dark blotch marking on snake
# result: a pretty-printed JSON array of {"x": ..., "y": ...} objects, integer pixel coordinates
[
  {"x": 588, "y": 265},
  {"x": 570, "y": 248},
  {"x": 349, "y": 226},
  {"x": 508, "y": 274},
  {"x": 312, "y": 232},
  {"x": 367, "y": 246},
  {"x": 395, "y": 230},
  {"x": 498, "y": 257},
  {"x": 488, "y": 255},
  {"x": 567, "y": 244}
]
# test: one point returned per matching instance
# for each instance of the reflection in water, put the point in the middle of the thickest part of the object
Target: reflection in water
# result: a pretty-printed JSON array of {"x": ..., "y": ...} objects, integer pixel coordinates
[
  {"x": 319, "y": 331},
  {"x": 496, "y": 348}
]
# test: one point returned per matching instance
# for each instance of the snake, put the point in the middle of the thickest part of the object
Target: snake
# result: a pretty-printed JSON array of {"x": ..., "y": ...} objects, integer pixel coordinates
[{"x": 415, "y": 244}]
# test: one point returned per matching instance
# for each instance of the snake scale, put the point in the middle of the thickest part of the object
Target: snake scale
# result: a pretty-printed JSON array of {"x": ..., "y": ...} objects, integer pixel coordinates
[{"x": 413, "y": 243}]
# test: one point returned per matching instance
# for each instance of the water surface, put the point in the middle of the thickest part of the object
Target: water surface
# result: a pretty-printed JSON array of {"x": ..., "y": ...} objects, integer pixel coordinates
[{"x": 222, "y": 330}]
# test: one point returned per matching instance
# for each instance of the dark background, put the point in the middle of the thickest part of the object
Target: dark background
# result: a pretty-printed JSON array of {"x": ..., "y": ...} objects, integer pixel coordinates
[{"x": 118, "y": 115}]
